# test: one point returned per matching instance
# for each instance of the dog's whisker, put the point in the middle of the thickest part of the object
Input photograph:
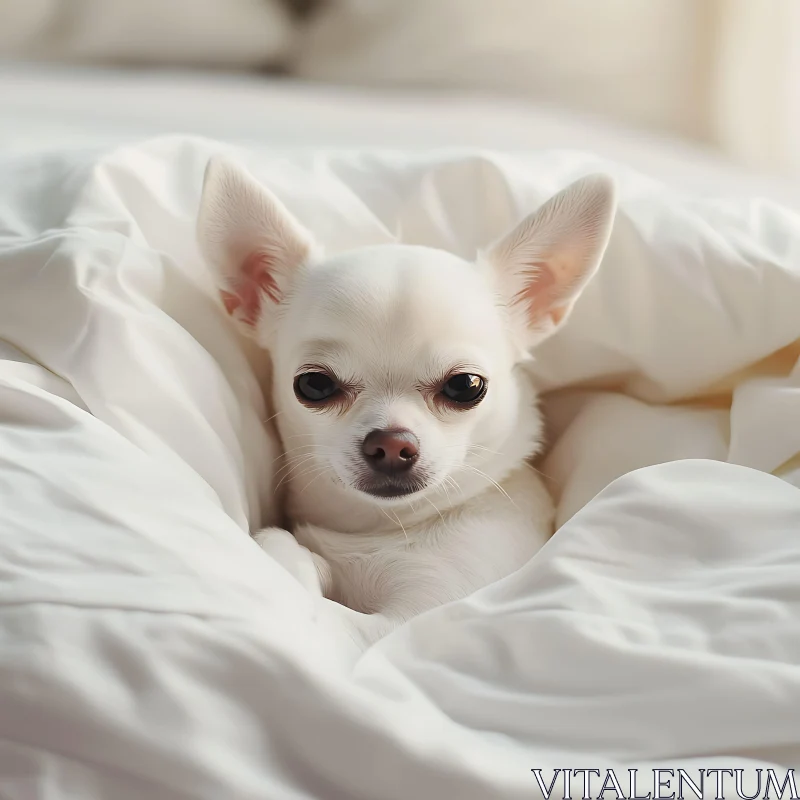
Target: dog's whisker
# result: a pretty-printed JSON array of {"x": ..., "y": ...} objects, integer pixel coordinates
[
  {"x": 455, "y": 484},
  {"x": 543, "y": 474},
  {"x": 474, "y": 447},
  {"x": 309, "y": 446},
  {"x": 291, "y": 455},
  {"x": 450, "y": 478},
  {"x": 401, "y": 526},
  {"x": 306, "y": 448},
  {"x": 396, "y": 519},
  {"x": 308, "y": 470},
  {"x": 320, "y": 473},
  {"x": 283, "y": 480},
  {"x": 293, "y": 473},
  {"x": 299, "y": 446},
  {"x": 299, "y": 455},
  {"x": 435, "y": 508},
  {"x": 385, "y": 514},
  {"x": 291, "y": 465},
  {"x": 492, "y": 481}
]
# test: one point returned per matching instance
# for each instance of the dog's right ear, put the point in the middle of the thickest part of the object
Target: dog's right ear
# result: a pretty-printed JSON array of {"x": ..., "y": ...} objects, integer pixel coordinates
[
  {"x": 252, "y": 241},
  {"x": 542, "y": 266}
]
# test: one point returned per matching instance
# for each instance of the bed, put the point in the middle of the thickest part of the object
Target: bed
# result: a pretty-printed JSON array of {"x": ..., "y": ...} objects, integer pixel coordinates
[{"x": 149, "y": 649}]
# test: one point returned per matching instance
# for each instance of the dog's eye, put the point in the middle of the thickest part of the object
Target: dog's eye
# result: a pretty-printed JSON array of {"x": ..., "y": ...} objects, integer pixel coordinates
[
  {"x": 315, "y": 387},
  {"x": 464, "y": 388}
]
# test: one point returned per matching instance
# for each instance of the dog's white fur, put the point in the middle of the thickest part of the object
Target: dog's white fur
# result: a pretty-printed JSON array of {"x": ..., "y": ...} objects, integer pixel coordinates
[{"x": 390, "y": 323}]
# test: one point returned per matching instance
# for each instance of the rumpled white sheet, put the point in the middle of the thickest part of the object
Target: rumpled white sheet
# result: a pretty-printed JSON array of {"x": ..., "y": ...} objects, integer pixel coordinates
[{"x": 148, "y": 648}]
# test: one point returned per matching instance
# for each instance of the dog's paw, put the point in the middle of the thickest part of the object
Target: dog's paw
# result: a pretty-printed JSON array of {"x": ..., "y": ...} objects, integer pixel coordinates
[{"x": 307, "y": 568}]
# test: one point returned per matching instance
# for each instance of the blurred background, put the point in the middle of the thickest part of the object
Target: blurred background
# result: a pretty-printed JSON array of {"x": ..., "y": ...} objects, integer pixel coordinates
[{"x": 721, "y": 76}]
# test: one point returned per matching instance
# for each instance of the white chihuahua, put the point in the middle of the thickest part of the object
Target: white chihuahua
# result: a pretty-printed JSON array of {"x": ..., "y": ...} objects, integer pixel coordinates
[{"x": 400, "y": 395}]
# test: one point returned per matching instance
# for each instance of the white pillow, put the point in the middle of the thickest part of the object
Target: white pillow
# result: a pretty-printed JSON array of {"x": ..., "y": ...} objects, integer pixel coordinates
[{"x": 231, "y": 33}]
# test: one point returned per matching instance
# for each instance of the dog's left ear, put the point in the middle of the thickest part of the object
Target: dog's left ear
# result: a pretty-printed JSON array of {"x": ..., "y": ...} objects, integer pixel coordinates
[
  {"x": 543, "y": 265},
  {"x": 255, "y": 245}
]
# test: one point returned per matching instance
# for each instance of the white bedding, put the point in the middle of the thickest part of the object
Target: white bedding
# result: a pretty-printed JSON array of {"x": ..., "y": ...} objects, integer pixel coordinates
[
  {"x": 67, "y": 107},
  {"x": 148, "y": 648}
]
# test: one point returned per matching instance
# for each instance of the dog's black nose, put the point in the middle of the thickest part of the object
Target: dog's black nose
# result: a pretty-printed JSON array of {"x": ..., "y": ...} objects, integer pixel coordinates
[{"x": 390, "y": 451}]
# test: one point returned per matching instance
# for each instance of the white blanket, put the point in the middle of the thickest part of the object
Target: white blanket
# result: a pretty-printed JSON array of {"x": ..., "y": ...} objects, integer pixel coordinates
[{"x": 149, "y": 649}]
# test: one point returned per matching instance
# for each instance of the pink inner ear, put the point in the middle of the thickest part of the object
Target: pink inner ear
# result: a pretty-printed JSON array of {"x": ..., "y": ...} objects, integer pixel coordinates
[
  {"x": 539, "y": 295},
  {"x": 256, "y": 278}
]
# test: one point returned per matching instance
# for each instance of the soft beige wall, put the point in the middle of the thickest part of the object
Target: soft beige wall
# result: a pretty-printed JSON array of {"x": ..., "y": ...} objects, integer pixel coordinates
[
  {"x": 754, "y": 96},
  {"x": 724, "y": 72},
  {"x": 637, "y": 60}
]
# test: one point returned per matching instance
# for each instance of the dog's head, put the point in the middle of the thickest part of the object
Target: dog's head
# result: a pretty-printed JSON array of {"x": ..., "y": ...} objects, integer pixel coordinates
[{"x": 396, "y": 367}]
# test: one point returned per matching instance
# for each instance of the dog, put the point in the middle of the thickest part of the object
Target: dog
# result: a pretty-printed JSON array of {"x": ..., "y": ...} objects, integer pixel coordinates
[{"x": 407, "y": 415}]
